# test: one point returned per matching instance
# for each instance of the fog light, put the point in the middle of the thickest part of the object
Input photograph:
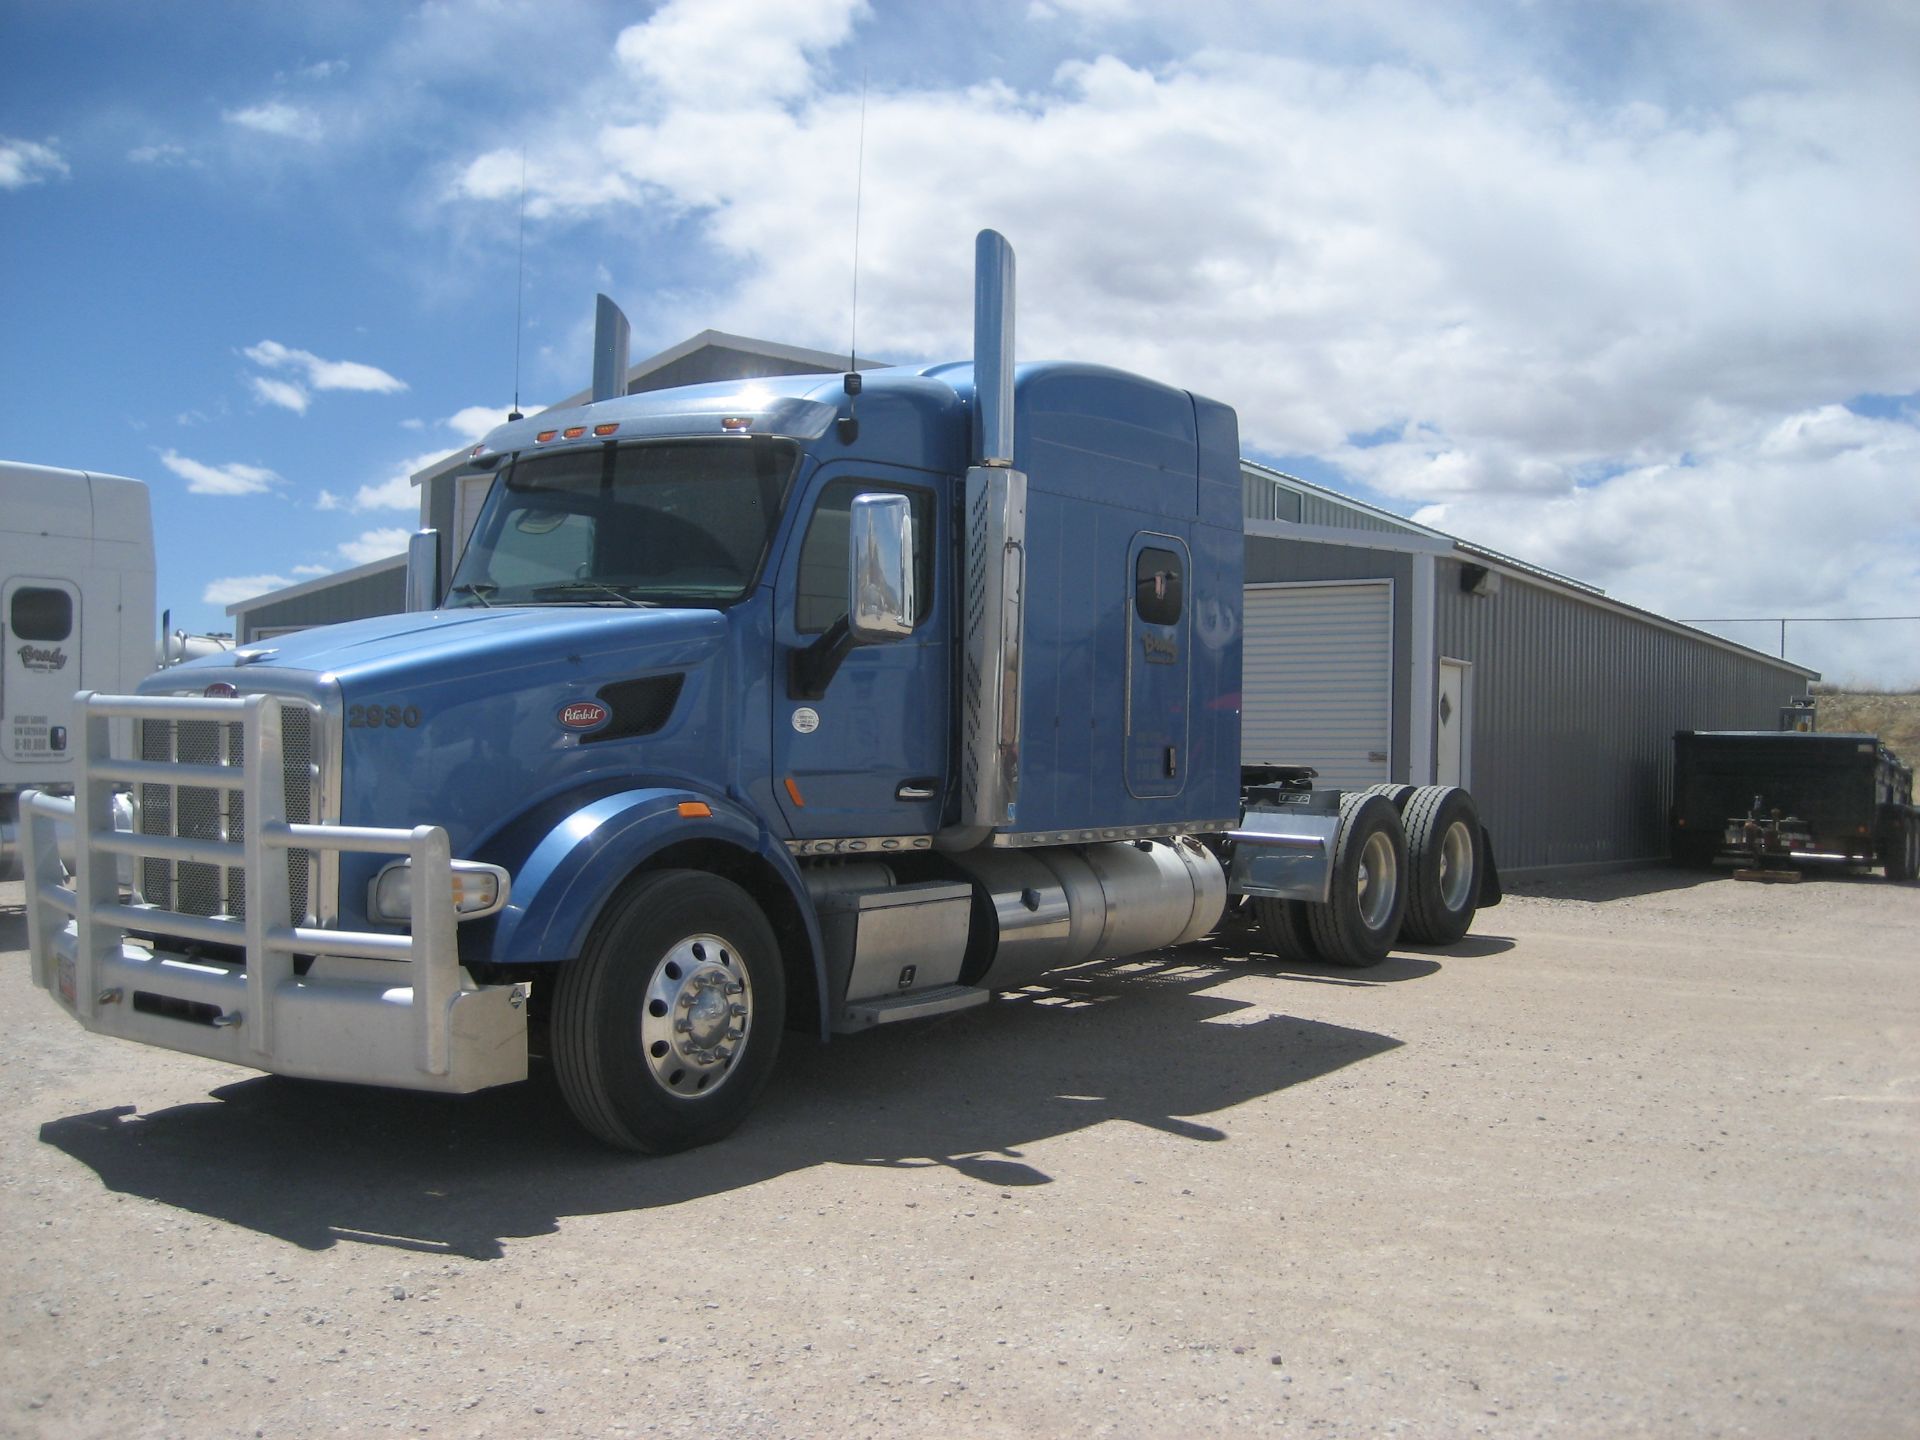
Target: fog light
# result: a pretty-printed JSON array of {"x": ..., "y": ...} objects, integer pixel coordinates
[{"x": 477, "y": 890}]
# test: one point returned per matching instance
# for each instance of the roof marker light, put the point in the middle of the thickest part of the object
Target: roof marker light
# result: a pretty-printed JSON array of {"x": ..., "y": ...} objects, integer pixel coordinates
[
  {"x": 607, "y": 428},
  {"x": 735, "y": 422},
  {"x": 544, "y": 436},
  {"x": 573, "y": 432}
]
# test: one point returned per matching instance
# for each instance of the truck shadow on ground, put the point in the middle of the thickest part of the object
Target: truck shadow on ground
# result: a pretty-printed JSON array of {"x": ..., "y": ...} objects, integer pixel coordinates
[{"x": 316, "y": 1164}]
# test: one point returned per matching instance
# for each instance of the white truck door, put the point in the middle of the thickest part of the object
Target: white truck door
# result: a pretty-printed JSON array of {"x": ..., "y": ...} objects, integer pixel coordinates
[{"x": 39, "y": 668}]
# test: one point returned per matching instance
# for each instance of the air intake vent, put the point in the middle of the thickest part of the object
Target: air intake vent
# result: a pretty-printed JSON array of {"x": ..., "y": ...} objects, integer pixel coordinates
[{"x": 639, "y": 707}]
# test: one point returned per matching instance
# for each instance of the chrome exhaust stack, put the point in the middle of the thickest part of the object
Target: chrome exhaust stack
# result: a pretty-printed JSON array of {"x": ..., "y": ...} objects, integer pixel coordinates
[{"x": 996, "y": 519}]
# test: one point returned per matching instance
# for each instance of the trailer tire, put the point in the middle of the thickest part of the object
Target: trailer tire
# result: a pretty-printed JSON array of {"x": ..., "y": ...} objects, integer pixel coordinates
[
  {"x": 1283, "y": 926},
  {"x": 1367, "y": 895},
  {"x": 1444, "y": 861},
  {"x": 1899, "y": 851},
  {"x": 666, "y": 1028}
]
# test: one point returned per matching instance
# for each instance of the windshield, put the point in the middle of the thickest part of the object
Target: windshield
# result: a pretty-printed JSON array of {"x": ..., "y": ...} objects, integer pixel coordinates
[{"x": 669, "y": 523}]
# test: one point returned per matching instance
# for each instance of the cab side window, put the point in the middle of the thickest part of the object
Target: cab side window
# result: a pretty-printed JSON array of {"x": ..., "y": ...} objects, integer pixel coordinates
[
  {"x": 39, "y": 614},
  {"x": 1157, "y": 587},
  {"x": 821, "y": 590}
]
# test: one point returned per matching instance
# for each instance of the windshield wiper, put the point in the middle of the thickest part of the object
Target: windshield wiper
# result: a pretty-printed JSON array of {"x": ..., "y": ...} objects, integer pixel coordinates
[
  {"x": 576, "y": 587},
  {"x": 478, "y": 592}
]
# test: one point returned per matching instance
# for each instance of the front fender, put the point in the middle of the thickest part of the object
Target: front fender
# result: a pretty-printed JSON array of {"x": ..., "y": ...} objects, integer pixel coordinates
[{"x": 574, "y": 868}]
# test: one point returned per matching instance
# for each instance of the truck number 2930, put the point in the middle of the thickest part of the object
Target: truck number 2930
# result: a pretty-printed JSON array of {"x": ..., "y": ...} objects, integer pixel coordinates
[{"x": 375, "y": 717}]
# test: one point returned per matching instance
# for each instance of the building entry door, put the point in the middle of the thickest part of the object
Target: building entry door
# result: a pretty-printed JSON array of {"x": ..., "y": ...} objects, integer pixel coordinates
[{"x": 1451, "y": 745}]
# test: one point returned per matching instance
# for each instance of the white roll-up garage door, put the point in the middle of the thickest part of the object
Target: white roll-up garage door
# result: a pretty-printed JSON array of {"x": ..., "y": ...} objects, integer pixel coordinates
[{"x": 1317, "y": 685}]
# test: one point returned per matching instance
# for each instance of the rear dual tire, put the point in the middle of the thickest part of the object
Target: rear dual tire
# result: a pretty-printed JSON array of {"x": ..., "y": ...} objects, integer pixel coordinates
[{"x": 1366, "y": 894}]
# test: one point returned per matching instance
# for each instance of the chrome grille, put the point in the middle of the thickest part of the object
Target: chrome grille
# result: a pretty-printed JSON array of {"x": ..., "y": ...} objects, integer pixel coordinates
[{"x": 204, "y": 813}]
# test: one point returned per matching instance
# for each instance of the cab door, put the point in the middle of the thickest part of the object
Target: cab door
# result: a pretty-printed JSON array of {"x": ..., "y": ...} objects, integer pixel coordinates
[
  {"x": 867, "y": 757},
  {"x": 40, "y": 667}
]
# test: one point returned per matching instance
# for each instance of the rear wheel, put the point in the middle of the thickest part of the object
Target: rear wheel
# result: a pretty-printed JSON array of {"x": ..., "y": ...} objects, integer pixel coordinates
[
  {"x": 1443, "y": 854},
  {"x": 1899, "y": 851},
  {"x": 666, "y": 1028},
  {"x": 1283, "y": 925},
  {"x": 1367, "y": 895}
]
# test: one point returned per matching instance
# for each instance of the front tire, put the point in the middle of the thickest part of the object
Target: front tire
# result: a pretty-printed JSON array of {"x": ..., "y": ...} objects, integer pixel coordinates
[{"x": 666, "y": 1029}]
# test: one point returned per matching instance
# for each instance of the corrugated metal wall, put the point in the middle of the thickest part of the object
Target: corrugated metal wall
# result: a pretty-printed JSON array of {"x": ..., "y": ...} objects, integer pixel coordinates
[
  {"x": 1573, "y": 711},
  {"x": 382, "y": 593}
]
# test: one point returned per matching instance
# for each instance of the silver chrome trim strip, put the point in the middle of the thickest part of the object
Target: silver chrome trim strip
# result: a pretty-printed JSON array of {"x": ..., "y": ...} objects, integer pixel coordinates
[{"x": 1116, "y": 832}]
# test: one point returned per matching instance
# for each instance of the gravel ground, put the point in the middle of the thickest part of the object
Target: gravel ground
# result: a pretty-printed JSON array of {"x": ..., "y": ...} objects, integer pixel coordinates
[{"x": 1636, "y": 1158}]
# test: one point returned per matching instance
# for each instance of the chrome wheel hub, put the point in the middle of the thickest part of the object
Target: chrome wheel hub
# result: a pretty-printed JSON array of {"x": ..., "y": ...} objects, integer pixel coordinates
[
  {"x": 1379, "y": 880},
  {"x": 1456, "y": 865},
  {"x": 699, "y": 1006}
]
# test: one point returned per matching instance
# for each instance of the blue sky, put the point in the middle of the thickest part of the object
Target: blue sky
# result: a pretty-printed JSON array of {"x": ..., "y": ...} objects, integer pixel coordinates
[{"x": 1626, "y": 290}]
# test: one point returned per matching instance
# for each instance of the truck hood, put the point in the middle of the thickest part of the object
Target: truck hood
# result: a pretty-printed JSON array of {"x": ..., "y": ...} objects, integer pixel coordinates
[{"x": 427, "y": 646}]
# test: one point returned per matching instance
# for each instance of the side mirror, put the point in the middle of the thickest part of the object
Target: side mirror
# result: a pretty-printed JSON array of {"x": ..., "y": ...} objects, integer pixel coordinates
[
  {"x": 880, "y": 598},
  {"x": 423, "y": 570}
]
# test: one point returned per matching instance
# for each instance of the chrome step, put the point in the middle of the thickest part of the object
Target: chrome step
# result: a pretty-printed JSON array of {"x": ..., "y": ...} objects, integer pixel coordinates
[{"x": 916, "y": 1005}]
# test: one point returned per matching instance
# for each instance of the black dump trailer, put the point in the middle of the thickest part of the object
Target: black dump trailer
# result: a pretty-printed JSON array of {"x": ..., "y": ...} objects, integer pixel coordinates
[{"x": 1770, "y": 795}]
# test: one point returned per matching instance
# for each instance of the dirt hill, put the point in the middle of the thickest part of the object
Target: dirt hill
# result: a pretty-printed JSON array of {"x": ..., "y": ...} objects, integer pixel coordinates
[{"x": 1895, "y": 718}]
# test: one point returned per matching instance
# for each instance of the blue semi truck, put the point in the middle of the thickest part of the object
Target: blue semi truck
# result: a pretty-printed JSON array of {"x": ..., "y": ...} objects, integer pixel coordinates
[{"x": 805, "y": 703}]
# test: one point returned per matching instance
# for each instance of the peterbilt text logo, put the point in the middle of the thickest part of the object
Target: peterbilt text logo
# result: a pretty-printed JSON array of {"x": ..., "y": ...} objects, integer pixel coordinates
[
  {"x": 34, "y": 658},
  {"x": 584, "y": 715}
]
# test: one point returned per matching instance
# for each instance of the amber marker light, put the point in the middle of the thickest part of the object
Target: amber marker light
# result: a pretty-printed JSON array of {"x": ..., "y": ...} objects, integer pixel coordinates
[
  {"x": 544, "y": 436},
  {"x": 793, "y": 793},
  {"x": 695, "y": 810},
  {"x": 735, "y": 422},
  {"x": 606, "y": 429}
]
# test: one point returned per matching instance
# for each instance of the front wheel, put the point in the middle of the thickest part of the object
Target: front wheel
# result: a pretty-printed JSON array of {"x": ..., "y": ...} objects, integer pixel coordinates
[{"x": 666, "y": 1029}]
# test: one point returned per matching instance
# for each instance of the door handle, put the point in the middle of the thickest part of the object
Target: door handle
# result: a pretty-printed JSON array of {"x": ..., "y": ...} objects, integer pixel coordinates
[{"x": 917, "y": 790}]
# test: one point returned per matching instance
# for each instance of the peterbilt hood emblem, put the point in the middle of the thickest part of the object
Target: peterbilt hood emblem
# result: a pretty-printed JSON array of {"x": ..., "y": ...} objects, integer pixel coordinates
[
  {"x": 220, "y": 690},
  {"x": 581, "y": 716}
]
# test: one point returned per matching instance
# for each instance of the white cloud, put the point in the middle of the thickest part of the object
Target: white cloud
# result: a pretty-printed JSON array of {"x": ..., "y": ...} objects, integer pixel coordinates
[
  {"x": 329, "y": 501},
  {"x": 718, "y": 53},
  {"x": 324, "y": 374},
  {"x": 236, "y": 588},
  {"x": 164, "y": 154},
  {"x": 1575, "y": 284},
  {"x": 29, "y": 162},
  {"x": 284, "y": 393},
  {"x": 476, "y": 420},
  {"x": 276, "y": 117},
  {"x": 374, "y": 545},
  {"x": 230, "y": 479},
  {"x": 311, "y": 570}
]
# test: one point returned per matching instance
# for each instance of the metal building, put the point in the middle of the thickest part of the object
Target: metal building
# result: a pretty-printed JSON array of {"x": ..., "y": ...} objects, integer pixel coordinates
[{"x": 1378, "y": 649}]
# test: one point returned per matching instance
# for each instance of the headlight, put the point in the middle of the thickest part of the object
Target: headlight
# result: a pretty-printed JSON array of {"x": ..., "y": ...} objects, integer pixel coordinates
[{"x": 477, "y": 890}]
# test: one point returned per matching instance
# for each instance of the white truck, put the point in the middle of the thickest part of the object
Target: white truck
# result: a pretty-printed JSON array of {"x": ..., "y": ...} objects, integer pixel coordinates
[{"x": 76, "y": 613}]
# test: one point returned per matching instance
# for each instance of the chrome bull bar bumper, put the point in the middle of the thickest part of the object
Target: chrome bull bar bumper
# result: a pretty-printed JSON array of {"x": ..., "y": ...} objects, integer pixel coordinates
[{"x": 371, "y": 1008}]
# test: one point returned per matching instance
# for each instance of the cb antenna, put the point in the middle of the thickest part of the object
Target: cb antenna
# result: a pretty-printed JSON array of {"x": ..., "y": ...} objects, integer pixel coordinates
[
  {"x": 519, "y": 286},
  {"x": 859, "y": 181},
  {"x": 848, "y": 425}
]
